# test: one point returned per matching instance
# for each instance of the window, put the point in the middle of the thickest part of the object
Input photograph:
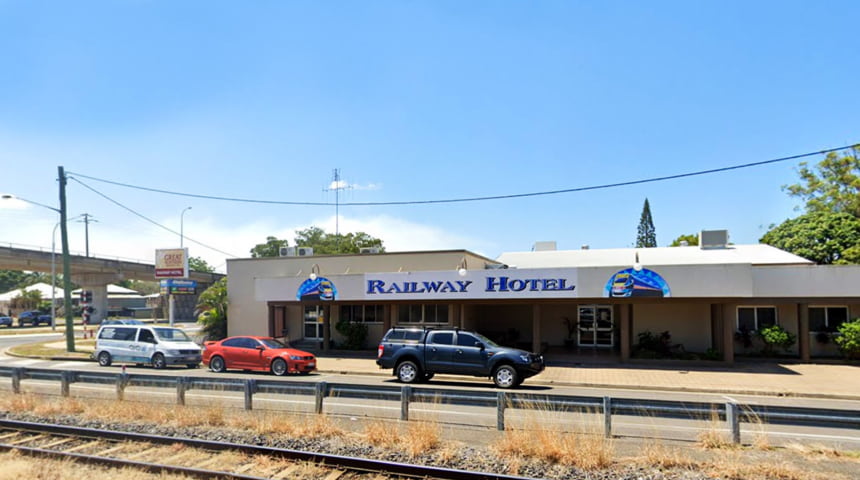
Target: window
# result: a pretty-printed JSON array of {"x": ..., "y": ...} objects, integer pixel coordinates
[
  {"x": 827, "y": 319},
  {"x": 755, "y": 318},
  {"x": 442, "y": 338},
  {"x": 429, "y": 313},
  {"x": 362, "y": 313},
  {"x": 466, "y": 340},
  {"x": 146, "y": 336}
]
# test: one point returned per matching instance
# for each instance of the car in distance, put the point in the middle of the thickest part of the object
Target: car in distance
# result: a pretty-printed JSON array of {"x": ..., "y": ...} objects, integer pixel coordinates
[
  {"x": 33, "y": 317},
  {"x": 256, "y": 353},
  {"x": 122, "y": 321},
  {"x": 7, "y": 321},
  {"x": 416, "y": 354}
]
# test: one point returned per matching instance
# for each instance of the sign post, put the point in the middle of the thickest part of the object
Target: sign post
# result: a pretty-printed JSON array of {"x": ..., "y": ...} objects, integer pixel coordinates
[{"x": 171, "y": 263}]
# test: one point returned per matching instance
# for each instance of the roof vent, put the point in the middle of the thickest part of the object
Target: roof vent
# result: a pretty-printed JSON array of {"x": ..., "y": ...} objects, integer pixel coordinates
[
  {"x": 709, "y": 239},
  {"x": 684, "y": 243},
  {"x": 544, "y": 246},
  {"x": 366, "y": 250}
]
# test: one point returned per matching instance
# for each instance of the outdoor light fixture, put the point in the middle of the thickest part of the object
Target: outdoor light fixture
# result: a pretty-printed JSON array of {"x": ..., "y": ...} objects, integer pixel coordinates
[
  {"x": 636, "y": 265},
  {"x": 461, "y": 268},
  {"x": 67, "y": 270},
  {"x": 315, "y": 270},
  {"x": 182, "y": 226}
]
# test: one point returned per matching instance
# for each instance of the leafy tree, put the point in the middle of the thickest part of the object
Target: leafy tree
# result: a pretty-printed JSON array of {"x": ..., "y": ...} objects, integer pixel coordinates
[
  {"x": 329, "y": 243},
  {"x": 823, "y": 237},
  {"x": 691, "y": 239},
  {"x": 141, "y": 286},
  {"x": 833, "y": 185},
  {"x": 271, "y": 248},
  {"x": 848, "y": 339},
  {"x": 646, "y": 236},
  {"x": 12, "y": 279},
  {"x": 26, "y": 300},
  {"x": 199, "y": 265},
  {"x": 774, "y": 337},
  {"x": 212, "y": 305}
]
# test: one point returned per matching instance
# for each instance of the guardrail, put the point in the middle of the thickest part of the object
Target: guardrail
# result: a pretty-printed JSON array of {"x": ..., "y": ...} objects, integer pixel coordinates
[{"x": 730, "y": 412}]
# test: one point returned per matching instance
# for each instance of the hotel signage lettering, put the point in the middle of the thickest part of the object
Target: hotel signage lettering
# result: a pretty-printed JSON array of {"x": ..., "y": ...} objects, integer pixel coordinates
[{"x": 545, "y": 283}]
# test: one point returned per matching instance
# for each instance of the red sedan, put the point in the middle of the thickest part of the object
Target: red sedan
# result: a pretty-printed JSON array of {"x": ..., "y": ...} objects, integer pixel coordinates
[{"x": 257, "y": 353}]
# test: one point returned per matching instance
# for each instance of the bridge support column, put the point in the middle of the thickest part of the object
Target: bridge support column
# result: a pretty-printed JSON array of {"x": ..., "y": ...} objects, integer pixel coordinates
[{"x": 97, "y": 283}]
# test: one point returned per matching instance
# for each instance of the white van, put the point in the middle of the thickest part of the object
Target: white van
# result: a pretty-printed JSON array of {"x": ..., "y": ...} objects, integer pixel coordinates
[{"x": 159, "y": 346}]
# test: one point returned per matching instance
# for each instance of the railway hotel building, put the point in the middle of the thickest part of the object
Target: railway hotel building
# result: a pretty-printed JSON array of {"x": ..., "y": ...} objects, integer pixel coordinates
[{"x": 560, "y": 302}]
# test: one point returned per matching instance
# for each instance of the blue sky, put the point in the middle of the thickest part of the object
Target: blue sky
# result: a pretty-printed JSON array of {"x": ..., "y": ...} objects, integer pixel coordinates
[{"x": 415, "y": 101}]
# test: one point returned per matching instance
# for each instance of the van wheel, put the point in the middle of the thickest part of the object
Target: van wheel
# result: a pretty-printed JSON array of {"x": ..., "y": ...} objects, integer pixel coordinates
[
  {"x": 104, "y": 359},
  {"x": 158, "y": 361},
  {"x": 216, "y": 364},
  {"x": 407, "y": 371},
  {"x": 505, "y": 376},
  {"x": 279, "y": 367}
]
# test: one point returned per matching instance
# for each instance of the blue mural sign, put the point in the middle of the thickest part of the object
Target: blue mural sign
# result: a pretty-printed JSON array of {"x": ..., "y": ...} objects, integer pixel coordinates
[
  {"x": 319, "y": 288},
  {"x": 633, "y": 283}
]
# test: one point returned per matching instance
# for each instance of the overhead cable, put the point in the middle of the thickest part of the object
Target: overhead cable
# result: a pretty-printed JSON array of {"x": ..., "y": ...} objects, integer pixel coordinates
[
  {"x": 147, "y": 218},
  {"x": 474, "y": 199}
]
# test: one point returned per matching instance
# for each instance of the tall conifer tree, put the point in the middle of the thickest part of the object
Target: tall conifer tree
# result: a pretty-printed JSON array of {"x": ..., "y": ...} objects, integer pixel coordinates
[{"x": 646, "y": 236}]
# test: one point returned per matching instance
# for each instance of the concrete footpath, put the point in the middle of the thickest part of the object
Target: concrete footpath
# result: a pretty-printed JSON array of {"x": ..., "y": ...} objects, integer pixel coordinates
[{"x": 754, "y": 378}]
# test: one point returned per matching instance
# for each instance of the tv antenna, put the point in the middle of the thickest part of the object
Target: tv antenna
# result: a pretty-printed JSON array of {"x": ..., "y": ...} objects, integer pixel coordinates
[{"x": 337, "y": 185}]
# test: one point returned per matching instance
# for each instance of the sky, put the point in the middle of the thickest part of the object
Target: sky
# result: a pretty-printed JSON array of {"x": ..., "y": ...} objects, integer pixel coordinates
[{"x": 413, "y": 101}]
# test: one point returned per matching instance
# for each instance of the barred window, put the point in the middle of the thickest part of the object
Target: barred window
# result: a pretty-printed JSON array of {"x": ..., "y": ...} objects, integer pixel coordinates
[
  {"x": 826, "y": 319},
  {"x": 756, "y": 318}
]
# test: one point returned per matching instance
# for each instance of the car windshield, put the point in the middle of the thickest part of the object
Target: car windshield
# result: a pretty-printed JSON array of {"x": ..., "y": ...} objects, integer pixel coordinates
[
  {"x": 272, "y": 343},
  {"x": 171, "y": 335},
  {"x": 486, "y": 340}
]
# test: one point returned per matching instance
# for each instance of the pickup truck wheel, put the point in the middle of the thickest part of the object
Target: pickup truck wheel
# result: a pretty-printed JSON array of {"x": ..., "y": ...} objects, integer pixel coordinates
[
  {"x": 505, "y": 376},
  {"x": 407, "y": 371}
]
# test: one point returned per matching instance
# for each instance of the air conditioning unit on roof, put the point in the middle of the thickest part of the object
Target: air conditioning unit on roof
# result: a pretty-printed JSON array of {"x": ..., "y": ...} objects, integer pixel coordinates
[
  {"x": 304, "y": 251},
  {"x": 713, "y": 239},
  {"x": 368, "y": 250},
  {"x": 287, "y": 251}
]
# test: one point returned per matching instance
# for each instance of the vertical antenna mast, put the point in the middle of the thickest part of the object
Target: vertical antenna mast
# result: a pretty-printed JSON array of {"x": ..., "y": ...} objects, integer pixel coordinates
[{"x": 337, "y": 186}]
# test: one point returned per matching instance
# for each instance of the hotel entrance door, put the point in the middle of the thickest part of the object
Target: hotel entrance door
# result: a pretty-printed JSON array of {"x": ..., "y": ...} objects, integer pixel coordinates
[{"x": 596, "y": 326}]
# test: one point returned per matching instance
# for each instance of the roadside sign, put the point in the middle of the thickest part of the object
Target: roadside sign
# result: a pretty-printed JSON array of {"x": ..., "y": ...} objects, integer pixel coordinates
[{"x": 173, "y": 286}]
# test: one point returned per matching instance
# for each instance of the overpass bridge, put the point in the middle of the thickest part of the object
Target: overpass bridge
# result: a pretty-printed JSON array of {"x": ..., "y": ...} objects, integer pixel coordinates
[{"x": 95, "y": 273}]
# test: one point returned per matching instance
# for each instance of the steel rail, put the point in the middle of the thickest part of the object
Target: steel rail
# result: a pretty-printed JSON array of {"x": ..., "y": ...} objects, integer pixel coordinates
[{"x": 329, "y": 460}]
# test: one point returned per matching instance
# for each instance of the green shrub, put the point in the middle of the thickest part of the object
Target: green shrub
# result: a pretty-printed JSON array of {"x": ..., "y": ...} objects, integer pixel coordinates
[
  {"x": 355, "y": 334},
  {"x": 848, "y": 339},
  {"x": 775, "y": 337}
]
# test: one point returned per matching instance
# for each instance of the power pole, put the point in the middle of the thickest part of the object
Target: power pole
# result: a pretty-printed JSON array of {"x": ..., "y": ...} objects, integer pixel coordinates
[
  {"x": 67, "y": 270},
  {"x": 337, "y": 187},
  {"x": 86, "y": 221}
]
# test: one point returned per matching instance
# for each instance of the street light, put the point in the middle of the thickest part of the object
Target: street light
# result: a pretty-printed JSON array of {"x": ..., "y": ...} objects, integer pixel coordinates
[
  {"x": 53, "y": 254},
  {"x": 182, "y": 226}
]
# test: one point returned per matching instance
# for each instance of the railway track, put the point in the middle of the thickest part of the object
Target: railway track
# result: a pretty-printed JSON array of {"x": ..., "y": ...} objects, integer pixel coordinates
[{"x": 206, "y": 459}]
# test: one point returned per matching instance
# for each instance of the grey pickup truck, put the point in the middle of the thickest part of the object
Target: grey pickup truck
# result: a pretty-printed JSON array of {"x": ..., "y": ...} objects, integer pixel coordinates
[{"x": 417, "y": 354}]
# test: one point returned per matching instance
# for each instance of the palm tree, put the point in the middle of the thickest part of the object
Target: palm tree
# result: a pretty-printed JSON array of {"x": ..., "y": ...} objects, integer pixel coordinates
[{"x": 212, "y": 306}]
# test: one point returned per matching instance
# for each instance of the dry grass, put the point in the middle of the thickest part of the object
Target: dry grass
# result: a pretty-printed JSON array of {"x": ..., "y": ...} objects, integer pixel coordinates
[
  {"x": 421, "y": 437},
  {"x": 382, "y": 434},
  {"x": 544, "y": 437},
  {"x": 656, "y": 454},
  {"x": 714, "y": 437},
  {"x": 16, "y": 467}
]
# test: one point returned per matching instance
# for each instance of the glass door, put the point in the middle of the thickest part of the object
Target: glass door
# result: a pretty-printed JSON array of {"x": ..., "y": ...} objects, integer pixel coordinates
[
  {"x": 596, "y": 328},
  {"x": 313, "y": 320}
]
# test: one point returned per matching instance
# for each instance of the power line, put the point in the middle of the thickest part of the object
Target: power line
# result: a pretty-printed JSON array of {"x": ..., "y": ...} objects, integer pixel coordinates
[
  {"x": 147, "y": 218},
  {"x": 475, "y": 199}
]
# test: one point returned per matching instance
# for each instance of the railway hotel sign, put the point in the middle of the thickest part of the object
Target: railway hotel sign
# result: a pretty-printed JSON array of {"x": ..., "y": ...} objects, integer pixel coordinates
[{"x": 544, "y": 283}]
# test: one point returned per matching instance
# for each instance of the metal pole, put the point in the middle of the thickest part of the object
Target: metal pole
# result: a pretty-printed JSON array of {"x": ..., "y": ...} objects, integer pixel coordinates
[
  {"x": 67, "y": 270},
  {"x": 54, "y": 278},
  {"x": 182, "y": 227}
]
